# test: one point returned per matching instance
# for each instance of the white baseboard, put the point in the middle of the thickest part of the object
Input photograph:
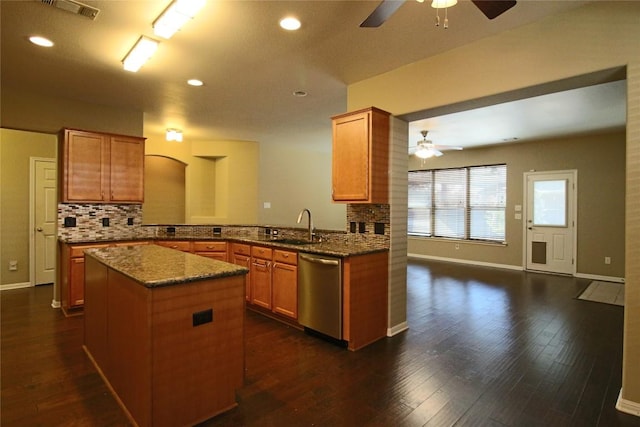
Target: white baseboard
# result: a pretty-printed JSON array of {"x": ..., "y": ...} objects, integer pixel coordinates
[
  {"x": 601, "y": 278},
  {"x": 55, "y": 304},
  {"x": 466, "y": 261},
  {"x": 9, "y": 286},
  {"x": 395, "y": 330},
  {"x": 627, "y": 406},
  {"x": 511, "y": 267}
]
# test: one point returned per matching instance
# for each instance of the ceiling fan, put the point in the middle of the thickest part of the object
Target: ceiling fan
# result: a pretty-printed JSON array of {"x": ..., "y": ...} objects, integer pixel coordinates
[
  {"x": 426, "y": 149},
  {"x": 490, "y": 8}
]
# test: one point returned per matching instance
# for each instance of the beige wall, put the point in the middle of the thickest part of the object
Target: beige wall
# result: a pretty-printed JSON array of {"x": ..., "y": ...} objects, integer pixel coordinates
[
  {"x": 292, "y": 179},
  {"x": 221, "y": 178},
  {"x": 598, "y": 36},
  {"x": 38, "y": 113},
  {"x": 164, "y": 190},
  {"x": 16, "y": 149},
  {"x": 600, "y": 162}
]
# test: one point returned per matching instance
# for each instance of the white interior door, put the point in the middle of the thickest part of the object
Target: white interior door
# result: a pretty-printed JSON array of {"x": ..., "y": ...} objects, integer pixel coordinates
[
  {"x": 550, "y": 225},
  {"x": 44, "y": 209}
]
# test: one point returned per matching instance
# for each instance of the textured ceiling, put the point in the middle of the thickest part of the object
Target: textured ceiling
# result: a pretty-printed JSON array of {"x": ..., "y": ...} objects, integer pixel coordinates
[{"x": 249, "y": 65}]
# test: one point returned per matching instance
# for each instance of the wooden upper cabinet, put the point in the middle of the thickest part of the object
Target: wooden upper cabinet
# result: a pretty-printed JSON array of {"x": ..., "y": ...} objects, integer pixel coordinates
[
  {"x": 361, "y": 157},
  {"x": 100, "y": 168},
  {"x": 126, "y": 177}
]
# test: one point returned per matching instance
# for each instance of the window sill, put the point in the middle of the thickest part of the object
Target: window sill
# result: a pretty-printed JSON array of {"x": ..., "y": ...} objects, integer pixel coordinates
[{"x": 464, "y": 241}]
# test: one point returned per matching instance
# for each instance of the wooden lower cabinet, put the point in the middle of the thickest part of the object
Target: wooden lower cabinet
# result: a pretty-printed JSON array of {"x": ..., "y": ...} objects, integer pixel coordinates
[
  {"x": 365, "y": 296},
  {"x": 71, "y": 275},
  {"x": 211, "y": 249},
  {"x": 285, "y": 283},
  {"x": 179, "y": 245},
  {"x": 241, "y": 255},
  {"x": 261, "y": 276},
  {"x": 164, "y": 370},
  {"x": 71, "y": 272}
]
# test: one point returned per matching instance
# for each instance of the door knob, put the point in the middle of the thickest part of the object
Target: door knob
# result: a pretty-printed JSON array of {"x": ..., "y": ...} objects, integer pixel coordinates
[
  {"x": 530, "y": 228},
  {"x": 39, "y": 229}
]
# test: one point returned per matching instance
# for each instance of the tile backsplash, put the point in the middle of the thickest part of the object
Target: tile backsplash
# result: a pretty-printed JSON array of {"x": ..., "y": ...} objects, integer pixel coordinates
[
  {"x": 366, "y": 224},
  {"x": 99, "y": 222}
]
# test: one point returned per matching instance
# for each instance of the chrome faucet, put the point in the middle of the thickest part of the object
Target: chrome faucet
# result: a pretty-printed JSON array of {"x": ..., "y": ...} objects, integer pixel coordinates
[{"x": 310, "y": 222}]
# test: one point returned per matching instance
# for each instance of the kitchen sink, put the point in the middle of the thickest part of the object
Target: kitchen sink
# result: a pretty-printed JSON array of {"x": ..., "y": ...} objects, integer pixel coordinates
[{"x": 293, "y": 241}]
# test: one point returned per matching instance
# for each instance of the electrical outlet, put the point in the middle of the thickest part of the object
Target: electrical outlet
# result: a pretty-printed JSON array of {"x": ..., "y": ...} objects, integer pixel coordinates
[
  {"x": 202, "y": 317},
  {"x": 13, "y": 265},
  {"x": 607, "y": 260}
]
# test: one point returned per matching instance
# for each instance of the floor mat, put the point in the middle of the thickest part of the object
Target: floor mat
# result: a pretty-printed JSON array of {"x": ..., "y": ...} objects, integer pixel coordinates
[{"x": 605, "y": 292}]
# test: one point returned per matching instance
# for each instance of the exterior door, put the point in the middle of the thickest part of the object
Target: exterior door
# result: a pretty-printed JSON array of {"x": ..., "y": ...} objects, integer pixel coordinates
[
  {"x": 550, "y": 225},
  {"x": 44, "y": 221}
]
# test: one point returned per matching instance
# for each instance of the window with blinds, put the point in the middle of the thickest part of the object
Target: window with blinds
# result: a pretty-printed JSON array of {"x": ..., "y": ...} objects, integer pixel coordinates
[{"x": 463, "y": 203}]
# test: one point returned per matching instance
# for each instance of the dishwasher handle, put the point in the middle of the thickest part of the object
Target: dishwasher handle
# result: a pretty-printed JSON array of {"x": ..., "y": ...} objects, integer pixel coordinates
[{"x": 319, "y": 260}]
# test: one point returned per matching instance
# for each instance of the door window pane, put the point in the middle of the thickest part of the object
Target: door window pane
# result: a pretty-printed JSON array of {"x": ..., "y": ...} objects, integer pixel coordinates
[{"x": 550, "y": 203}]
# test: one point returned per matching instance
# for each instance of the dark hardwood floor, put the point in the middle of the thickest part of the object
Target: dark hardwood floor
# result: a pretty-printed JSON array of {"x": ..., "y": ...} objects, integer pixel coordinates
[{"x": 486, "y": 347}]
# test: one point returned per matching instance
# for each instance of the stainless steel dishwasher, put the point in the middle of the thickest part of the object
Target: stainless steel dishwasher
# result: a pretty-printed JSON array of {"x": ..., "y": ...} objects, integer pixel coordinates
[{"x": 320, "y": 294}]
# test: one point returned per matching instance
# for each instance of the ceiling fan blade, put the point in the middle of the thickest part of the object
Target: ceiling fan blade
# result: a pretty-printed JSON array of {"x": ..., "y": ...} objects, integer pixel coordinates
[
  {"x": 494, "y": 8},
  {"x": 382, "y": 13}
]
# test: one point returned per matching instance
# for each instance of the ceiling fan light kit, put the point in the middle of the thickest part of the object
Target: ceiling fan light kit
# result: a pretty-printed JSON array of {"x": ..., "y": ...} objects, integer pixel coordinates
[{"x": 427, "y": 149}]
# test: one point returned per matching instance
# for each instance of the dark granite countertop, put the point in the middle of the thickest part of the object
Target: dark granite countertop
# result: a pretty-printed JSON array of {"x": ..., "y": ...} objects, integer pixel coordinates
[
  {"x": 338, "y": 248},
  {"x": 341, "y": 247},
  {"x": 154, "y": 266}
]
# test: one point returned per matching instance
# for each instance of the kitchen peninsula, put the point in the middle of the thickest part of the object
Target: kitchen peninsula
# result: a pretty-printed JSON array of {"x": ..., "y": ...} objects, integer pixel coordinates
[{"x": 165, "y": 330}]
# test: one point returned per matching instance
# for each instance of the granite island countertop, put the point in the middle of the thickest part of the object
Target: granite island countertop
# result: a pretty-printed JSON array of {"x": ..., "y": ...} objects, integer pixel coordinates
[{"x": 154, "y": 266}]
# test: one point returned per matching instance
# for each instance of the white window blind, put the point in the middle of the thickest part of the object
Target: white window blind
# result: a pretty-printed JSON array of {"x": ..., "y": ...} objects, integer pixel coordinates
[
  {"x": 420, "y": 200},
  {"x": 462, "y": 203},
  {"x": 450, "y": 203},
  {"x": 487, "y": 202}
]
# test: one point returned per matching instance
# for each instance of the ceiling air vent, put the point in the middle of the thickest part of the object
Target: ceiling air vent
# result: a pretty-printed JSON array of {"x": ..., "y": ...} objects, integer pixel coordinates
[{"x": 73, "y": 7}]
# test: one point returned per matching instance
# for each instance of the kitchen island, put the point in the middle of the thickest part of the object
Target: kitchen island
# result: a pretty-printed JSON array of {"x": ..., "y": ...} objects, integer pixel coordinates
[{"x": 165, "y": 329}]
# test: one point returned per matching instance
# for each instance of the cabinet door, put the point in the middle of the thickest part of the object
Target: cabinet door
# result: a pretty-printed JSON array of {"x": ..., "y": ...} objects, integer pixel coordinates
[
  {"x": 84, "y": 167},
  {"x": 261, "y": 282},
  {"x": 127, "y": 169},
  {"x": 245, "y": 261},
  {"x": 350, "y": 157},
  {"x": 285, "y": 289},
  {"x": 76, "y": 282}
]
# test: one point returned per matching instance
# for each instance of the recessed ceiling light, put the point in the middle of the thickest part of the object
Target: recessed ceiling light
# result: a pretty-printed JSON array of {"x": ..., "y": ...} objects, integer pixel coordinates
[
  {"x": 290, "y": 23},
  {"x": 194, "y": 82},
  {"x": 300, "y": 93},
  {"x": 40, "y": 41}
]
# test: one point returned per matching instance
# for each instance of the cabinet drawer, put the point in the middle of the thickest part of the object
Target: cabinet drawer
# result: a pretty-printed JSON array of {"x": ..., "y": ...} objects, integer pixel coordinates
[
  {"x": 175, "y": 244},
  {"x": 261, "y": 252},
  {"x": 77, "y": 251},
  {"x": 285, "y": 257},
  {"x": 211, "y": 246},
  {"x": 241, "y": 249}
]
